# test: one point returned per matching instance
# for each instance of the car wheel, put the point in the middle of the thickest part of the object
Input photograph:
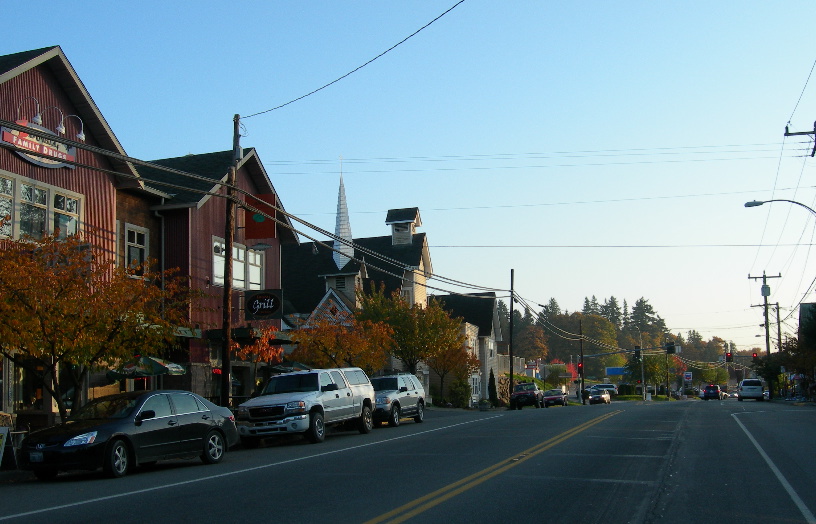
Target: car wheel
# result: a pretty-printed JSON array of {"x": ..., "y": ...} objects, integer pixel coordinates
[
  {"x": 117, "y": 459},
  {"x": 394, "y": 417},
  {"x": 45, "y": 474},
  {"x": 420, "y": 416},
  {"x": 366, "y": 421},
  {"x": 250, "y": 442},
  {"x": 317, "y": 430},
  {"x": 214, "y": 448}
]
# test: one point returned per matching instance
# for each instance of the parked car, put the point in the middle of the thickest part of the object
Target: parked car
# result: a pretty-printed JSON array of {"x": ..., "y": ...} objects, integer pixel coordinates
[
  {"x": 555, "y": 397},
  {"x": 750, "y": 388},
  {"x": 599, "y": 396},
  {"x": 526, "y": 394},
  {"x": 713, "y": 391},
  {"x": 118, "y": 432},
  {"x": 306, "y": 402},
  {"x": 398, "y": 396},
  {"x": 612, "y": 388}
]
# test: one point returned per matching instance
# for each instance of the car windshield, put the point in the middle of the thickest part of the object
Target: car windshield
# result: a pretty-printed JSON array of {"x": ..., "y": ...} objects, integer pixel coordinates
[
  {"x": 524, "y": 387},
  {"x": 105, "y": 408},
  {"x": 384, "y": 384},
  {"x": 551, "y": 392},
  {"x": 291, "y": 384}
]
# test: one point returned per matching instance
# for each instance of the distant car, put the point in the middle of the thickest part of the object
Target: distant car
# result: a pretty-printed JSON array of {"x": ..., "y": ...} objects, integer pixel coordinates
[
  {"x": 526, "y": 394},
  {"x": 555, "y": 397},
  {"x": 612, "y": 388},
  {"x": 599, "y": 396},
  {"x": 398, "y": 396},
  {"x": 733, "y": 394},
  {"x": 118, "y": 432},
  {"x": 750, "y": 388},
  {"x": 713, "y": 391}
]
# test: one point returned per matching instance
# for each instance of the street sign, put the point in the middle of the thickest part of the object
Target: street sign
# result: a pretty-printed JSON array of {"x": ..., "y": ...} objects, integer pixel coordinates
[{"x": 687, "y": 376}]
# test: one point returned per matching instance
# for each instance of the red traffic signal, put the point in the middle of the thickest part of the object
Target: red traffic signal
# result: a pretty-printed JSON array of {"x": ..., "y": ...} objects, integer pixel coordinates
[
  {"x": 755, "y": 357},
  {"x": 581, "y": 369},
  {"x": 729, "y": 357}
]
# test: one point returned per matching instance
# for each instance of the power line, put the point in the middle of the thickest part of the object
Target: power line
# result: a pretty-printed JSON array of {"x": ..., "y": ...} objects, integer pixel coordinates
[{"x": 360, "y": 67}]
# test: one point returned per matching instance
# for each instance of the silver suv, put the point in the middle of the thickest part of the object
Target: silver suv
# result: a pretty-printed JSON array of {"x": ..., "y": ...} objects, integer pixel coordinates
[
  {"x": 306, "y": 402},
  {"x": 398, "y": 396}
]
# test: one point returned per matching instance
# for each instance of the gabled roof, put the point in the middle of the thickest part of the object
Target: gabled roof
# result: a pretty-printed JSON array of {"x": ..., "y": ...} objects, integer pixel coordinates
[
  {"x": 407, "y": 214},
  {"x": 211, "y": 170},
  {"x": 94, "y": 123},
  {"x": 475, "y": 308},
  {"x": 305, "y": 266}
]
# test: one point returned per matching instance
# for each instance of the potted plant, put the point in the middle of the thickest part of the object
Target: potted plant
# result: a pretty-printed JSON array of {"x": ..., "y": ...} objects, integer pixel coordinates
[{"x": 484, "y": 404}]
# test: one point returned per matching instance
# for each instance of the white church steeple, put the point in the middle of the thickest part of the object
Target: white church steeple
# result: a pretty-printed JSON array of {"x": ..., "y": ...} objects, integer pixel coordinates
[{"x": 342, "y": 229}]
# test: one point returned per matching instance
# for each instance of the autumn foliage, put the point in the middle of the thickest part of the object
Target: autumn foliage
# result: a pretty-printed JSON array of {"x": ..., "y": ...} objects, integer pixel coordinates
[
  {"x": 342, "y": 340},
  {"x": 67, "y": 310}
]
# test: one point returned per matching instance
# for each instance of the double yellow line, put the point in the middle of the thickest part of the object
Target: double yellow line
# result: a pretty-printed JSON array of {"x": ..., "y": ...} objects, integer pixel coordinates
[{"x": 424, "y": 503}]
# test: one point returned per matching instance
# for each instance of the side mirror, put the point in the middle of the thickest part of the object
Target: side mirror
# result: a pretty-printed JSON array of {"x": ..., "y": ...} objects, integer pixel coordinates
[
  {"x": 329, "y": 387},
  {"x": 144, "y": 415}
]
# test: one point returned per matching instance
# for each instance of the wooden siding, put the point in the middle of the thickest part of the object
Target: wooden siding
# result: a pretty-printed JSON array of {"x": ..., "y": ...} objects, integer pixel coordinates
[{"x": 98, "y": 214}]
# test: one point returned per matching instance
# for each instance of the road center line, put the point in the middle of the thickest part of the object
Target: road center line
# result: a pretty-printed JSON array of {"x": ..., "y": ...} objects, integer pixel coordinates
[
  {"x": 809, "y": 518},
  {"x": 426, "y": 502}
]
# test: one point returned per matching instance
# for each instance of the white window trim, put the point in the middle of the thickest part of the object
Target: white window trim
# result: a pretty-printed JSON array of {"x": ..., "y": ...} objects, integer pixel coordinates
[
  {"x": 127, "y": 243},
  {"x": 51, "y": 190},
  {"x": 217, "y": 278}
]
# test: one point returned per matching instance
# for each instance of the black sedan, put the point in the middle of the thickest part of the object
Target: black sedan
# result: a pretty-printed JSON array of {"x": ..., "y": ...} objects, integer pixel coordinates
[
  {"x": 555, "y": 397},
  {"x": 118, "y": 432}
]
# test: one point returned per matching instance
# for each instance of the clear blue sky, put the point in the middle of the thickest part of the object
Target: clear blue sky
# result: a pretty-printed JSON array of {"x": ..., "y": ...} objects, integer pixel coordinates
[{"x": 597, "y": 148}]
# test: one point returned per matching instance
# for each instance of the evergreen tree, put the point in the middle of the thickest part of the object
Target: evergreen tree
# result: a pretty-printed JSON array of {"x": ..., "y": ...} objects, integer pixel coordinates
[
  {"x": 611, "y": 311},
  {"x": 550, "y": 310},
  {"x": 504, "y": 319}
]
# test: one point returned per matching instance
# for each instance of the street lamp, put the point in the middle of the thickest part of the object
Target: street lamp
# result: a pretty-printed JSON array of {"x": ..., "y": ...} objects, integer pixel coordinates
[{"x": 756, "y": 203}]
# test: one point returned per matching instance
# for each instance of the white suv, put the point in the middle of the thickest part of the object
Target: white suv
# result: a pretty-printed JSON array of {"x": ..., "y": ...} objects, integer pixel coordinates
[{"x": 750, "y": 388}]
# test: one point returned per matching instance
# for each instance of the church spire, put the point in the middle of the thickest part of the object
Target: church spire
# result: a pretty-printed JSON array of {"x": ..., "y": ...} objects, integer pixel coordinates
[{"x": 342, "y": 228}]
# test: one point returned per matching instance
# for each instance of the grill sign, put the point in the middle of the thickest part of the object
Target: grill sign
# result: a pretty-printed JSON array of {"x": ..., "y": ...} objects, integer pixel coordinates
[
  {"x": 56, "y": 151},
  {"x": 263, "y": 305}
]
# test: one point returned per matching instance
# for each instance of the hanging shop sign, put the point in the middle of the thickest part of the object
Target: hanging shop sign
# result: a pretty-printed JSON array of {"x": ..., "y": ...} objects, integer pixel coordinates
[
  {"x": 262, "y": 305},
  {"x": 56, "y": 153}
]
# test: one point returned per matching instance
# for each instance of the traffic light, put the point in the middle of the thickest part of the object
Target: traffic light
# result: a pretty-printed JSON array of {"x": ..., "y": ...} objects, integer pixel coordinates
[
  {"x": 637, "y": 353},
  {"x": 670, "y": 348},
  {"x": 755, "y": 357},
  {"x": 729, "y": 357},
  {"x": 580, "y": 369}
]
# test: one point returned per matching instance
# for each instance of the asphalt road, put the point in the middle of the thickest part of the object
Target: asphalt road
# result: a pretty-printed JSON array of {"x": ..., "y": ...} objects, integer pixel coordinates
[{"x": 685, "y": 461}]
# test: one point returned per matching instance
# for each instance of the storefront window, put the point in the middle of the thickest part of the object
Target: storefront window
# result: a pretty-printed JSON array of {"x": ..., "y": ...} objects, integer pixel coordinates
[
  {"x": 6, "y": 195},
  {"x": 66, "y": 220},
  {"x": 33, "y": 211},
  {"x": 28, "y": 391}
]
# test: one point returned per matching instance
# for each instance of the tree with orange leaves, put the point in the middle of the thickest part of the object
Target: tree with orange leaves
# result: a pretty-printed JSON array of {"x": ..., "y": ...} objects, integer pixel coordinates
[
  {"x": 261, "y": 350},
  {"x": 67, "y": 310},
  {"x": 342, "y": 341},
  {"x": 453, "y": 359}
]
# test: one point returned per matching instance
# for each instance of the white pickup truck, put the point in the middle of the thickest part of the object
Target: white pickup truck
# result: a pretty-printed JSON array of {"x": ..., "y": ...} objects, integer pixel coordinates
[{"x": 306, "y": 402}]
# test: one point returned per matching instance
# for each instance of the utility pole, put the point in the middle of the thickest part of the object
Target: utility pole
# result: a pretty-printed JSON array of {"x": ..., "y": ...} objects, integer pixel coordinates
[
  {"x": 581, "y": 362},
  {"x": 510, "y": 339},
  {"x": 766, "y": 291},
  {"x": 809, "y": 133},
  {"x": 778, "y": 329},
  {"x": 229, "y": 238}
]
